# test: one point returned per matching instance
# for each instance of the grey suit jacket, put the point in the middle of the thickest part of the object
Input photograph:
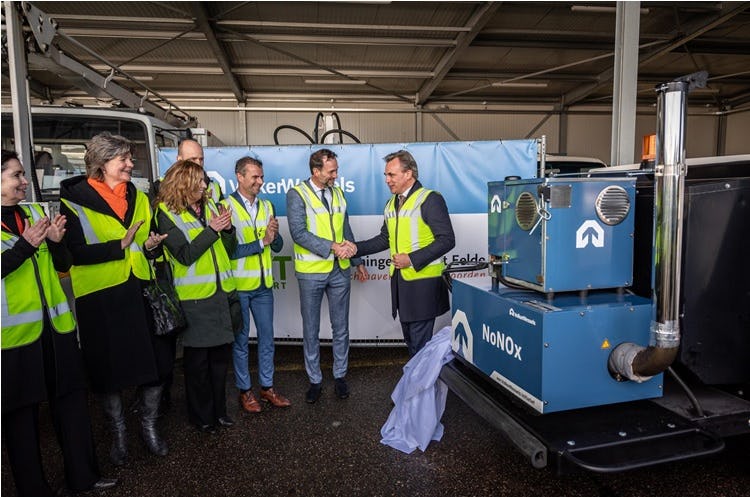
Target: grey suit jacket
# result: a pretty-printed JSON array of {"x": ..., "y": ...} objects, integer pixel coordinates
[{"x": 297, "y": 217}]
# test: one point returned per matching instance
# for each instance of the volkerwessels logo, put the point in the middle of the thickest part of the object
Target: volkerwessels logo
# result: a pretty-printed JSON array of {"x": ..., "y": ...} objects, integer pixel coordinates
[
  {"x": 589, "y": 231},
  {"x": 521, "y": 317},
  {"x": 463, "y": 339}
]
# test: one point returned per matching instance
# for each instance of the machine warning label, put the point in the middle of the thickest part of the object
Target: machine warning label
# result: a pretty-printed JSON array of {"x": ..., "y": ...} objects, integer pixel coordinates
[{"x": 501, "y": 341}]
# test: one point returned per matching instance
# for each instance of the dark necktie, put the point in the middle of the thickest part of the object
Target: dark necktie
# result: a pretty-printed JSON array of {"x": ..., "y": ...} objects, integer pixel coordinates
[
  {"x": 400, "y": 202},
  {"x": 324, "y": 200}
]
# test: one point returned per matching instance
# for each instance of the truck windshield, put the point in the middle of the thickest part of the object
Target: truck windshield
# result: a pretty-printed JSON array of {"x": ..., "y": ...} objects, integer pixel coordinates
[{"x": 60, "y": 145}]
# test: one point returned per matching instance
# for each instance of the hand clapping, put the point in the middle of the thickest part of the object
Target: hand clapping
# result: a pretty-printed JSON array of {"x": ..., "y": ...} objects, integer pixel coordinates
[
  {"x": 271, "y": 230},
  {"x": 56, "y": 229},
  {"x": 222, "y": 221},
  {"x": 37, "y": 232},
  {"x": 153, "y": 240},
  {"x": 130, "y": 235}
]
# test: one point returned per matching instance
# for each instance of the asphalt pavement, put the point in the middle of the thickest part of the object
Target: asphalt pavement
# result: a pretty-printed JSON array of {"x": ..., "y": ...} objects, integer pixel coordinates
[{"x": 332, "y": 448}]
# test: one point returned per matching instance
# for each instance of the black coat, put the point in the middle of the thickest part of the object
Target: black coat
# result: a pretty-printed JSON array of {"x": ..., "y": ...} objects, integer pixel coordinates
[
  {"x": 114, "y": 323},
  {"x": 51, "y": 366},
  {"x": 426, "y": 298}
]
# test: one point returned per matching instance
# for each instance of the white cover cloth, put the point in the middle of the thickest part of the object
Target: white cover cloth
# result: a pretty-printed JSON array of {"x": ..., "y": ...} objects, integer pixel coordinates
[{"x": 419, "y": 398}]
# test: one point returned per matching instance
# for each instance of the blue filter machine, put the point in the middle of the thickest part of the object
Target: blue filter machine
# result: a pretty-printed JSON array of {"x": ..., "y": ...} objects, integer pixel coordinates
[
  {"x": 563, "y": 234},
  {"x": 551, "y": 354}
]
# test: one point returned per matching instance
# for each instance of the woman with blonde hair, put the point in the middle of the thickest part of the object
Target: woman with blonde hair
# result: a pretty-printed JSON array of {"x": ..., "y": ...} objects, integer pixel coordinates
[
  {"x": 109, "y": 236},
  {"x": 199, "y": 237}
]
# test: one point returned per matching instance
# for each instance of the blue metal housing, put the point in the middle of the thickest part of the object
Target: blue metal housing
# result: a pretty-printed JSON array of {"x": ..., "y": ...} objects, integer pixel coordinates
[
  {"x": 552, "y": 355},
  {"x": 553, "y": 238}
]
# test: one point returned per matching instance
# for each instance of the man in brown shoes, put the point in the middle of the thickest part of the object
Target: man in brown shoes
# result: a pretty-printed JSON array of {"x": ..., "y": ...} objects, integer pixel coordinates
[{"x": 257, "y": 234}]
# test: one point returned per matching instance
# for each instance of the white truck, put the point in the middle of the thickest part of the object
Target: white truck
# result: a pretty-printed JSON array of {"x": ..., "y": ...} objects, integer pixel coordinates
[{"x": 59, "y": 136}]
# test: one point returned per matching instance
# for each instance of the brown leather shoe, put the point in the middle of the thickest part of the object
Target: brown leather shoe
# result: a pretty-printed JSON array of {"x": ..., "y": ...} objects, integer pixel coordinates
[
  {"x": 249, "y": 402},
  {"x": 276, "y": 399}
]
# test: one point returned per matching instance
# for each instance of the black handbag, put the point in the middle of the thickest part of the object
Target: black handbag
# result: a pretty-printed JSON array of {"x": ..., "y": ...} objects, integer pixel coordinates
[{"x": 169, "y": 318}]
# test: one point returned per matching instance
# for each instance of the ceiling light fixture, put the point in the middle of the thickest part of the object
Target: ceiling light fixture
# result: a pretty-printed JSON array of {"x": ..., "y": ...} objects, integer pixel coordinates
[
  {"x": 599, "y": 9},
  {"x": 137, "y": 78},
  {"x": 519, "y": 85},
  {"x": 335, "y": 82}
]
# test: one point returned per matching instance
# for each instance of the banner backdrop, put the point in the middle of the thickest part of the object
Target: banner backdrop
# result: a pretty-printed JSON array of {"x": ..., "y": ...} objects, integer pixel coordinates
[{"x": 458, "y": 170}]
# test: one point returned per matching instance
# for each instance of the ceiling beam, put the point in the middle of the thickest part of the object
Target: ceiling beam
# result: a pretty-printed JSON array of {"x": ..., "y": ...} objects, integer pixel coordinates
[
  {"x": 327, "y": 26},
  {"x": 87, "y": 20},
  {"x": 477, "y": 21},
  {"x": 694, "y": 29},
  {"x": 738, "y": 100},
  {"x": 202, "y": 23},
  {"x": 266, "y": 71},
  {"x": 267, "y": 38}
]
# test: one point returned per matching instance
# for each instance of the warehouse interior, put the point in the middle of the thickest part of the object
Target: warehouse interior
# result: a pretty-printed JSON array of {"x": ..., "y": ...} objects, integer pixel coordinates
[
  {"x": 577, "y": 80},
  {"x": 406, "y": 71}
]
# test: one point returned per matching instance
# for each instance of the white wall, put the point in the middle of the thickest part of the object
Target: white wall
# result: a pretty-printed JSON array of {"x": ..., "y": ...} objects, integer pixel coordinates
[{"x": 587, "y": 134}]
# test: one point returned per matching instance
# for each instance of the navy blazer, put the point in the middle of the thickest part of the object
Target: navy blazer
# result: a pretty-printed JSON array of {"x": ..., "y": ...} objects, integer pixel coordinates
[{"x": 426, "y": 298}]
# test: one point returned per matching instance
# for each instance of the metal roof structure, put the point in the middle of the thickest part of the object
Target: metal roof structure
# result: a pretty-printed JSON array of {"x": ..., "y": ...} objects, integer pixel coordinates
[{"x": 402, "y": 54}]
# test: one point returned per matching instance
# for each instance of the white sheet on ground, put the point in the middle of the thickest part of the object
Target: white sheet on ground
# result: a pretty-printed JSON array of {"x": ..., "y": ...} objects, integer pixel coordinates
[{"x": 419, "y": 398}]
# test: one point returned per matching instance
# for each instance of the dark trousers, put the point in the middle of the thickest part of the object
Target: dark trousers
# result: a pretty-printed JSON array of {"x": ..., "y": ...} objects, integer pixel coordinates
[
  {"x": 205, "y": 382},
  {"x": 73, "y": 428},
  {"x": 417, "y": 334}
]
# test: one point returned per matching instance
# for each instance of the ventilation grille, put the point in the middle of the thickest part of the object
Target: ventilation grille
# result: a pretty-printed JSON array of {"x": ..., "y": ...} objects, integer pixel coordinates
[
  {"x": 526, "y": 214},
  {"x": 613, "y": 205}
]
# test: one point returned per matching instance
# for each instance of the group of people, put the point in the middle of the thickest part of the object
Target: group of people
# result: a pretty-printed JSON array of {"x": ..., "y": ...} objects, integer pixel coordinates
[{"x": 109, "y": 235}]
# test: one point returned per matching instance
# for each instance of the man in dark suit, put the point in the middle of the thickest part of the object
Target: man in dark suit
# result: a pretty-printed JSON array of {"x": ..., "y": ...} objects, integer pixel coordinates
[{"x": 418, "y": 232}]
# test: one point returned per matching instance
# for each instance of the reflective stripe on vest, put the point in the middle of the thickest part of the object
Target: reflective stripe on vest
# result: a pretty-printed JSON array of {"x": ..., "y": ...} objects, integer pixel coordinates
[
  {"x": 408, "y": 232},
  {"x": 22, "y": 297},
  {"x": 247, "y": 271},
  {"x": 102, "y": 228},
  {"x": 324, "y": 224},
  {"x": 214, "y": 192},
  {"x": 198, "y": 281}
]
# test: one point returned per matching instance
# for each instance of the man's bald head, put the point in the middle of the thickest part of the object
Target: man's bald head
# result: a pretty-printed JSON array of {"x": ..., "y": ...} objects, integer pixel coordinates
[{"x": 190, "y": 150}]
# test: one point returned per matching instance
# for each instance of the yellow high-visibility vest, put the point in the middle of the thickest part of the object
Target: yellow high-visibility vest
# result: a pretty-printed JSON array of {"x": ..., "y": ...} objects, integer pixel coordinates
[
  {"x": 28, "y": 289},
  {"x": 320, "y": 222},
  {"x": 214, "y": 191},
  {"x": 198, "y": 280},
  {"x": 101, "y": 228},
  {"x": 250, "y": 271},
  {"x": 408, "y": 232}
]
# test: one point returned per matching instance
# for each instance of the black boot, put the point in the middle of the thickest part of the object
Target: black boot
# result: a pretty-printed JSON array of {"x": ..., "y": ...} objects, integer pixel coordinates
[
  {"x": 149, "y": 412},
  {"x": 112, "y": 404}
]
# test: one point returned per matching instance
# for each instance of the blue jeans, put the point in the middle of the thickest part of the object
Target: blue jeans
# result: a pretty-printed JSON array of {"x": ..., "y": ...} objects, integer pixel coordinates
[
  {"x": 260, "y": 303},
  {"x": 336, "y": 287}
]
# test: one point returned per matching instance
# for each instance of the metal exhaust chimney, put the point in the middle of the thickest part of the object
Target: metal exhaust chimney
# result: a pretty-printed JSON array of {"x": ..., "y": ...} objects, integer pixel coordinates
[{"x": 631, "y": 360}]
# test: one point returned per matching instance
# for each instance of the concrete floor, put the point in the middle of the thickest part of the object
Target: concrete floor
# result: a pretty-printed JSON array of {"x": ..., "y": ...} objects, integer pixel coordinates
[{"x": 332, "y": 448}]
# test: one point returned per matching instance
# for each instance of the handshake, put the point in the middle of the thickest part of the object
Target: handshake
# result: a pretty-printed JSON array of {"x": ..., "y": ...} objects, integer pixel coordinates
[{"x": 344, "y": 250}]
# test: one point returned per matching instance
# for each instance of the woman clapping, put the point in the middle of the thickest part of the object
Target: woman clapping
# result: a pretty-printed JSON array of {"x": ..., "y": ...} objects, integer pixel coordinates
[
  {"x": 109, "y": 238},
  {"x": 200, "y": 234},
  {"x": 40, "y": 355}
]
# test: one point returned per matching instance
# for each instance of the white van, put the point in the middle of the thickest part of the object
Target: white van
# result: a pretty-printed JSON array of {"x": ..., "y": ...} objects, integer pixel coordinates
[{"x": 59, "y": 135}]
